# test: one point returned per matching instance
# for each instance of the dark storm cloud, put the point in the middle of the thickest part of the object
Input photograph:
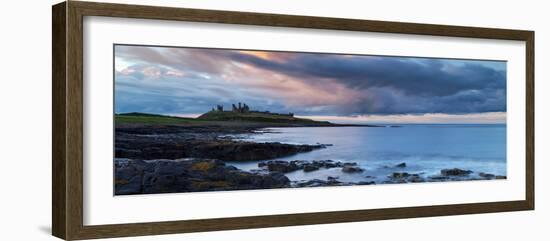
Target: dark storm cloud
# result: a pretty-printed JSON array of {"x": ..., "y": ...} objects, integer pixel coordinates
[
  {"x": 386, "y": 101},
  {"x": 187, "y": 80},
  {"x": 400, "y": 85},
  {"x": 413, "y": 76}
]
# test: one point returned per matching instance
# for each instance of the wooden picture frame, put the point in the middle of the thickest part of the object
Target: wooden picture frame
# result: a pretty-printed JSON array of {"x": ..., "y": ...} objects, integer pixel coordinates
[{"x": 67, "y": 150}]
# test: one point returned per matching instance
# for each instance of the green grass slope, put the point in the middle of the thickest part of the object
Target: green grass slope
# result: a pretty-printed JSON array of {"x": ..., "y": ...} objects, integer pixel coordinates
[
  {"x": 260, "y": 117},
  {"x": 219, "y": 118},
  {"x": 144, "y": 118}
]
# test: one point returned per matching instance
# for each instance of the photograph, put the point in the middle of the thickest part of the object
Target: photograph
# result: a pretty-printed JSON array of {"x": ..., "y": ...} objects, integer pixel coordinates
[{"x": 203, "y": 119}]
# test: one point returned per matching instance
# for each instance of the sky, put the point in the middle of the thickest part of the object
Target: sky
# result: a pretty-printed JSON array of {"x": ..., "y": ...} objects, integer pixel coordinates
[{"x": 338, "y": 87}]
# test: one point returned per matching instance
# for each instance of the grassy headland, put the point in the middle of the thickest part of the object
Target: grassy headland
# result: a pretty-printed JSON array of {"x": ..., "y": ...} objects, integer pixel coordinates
[
  {"x": 259, "y": 117},
  {"x": 145, "y": 118},
  {"x": 225, "y": 118}
]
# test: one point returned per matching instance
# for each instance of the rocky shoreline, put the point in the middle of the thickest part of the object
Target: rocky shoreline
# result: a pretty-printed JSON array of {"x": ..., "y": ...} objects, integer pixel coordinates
[
  {"x": 171, "y": 159},
  {"x": 168, "y": 159},
  {"x": 198, "y": 175},
  {"x": 188, "y": 175},
  {"x": 170, "y": 142}
]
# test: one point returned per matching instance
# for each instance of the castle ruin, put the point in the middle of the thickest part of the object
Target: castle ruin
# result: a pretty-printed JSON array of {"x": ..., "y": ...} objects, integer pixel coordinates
[
  {"x": 240, "y": 108},
  {"x": 244, "y": 108}
]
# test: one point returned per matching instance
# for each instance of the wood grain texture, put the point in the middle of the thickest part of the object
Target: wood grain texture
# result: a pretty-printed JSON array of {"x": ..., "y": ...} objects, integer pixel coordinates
[
  {"x": 74, "y": 110},
  {"x": 67, "y": 78},
  {"x": 59, "y": 192},
  {"x": 530, "y": 119},
  {"x": 263, "y": 19},
  {"x": 138, "y": 229}
]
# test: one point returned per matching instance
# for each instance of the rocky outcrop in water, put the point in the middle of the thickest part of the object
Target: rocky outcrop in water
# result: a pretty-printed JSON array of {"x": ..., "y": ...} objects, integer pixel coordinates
[
  {"x": 205, "y": 142},
  {"x": 455, "y": 172},
  {"x": 405, "y": 177},
  {"x": 401, "y": 165},
  {"x": 306, "y": 166},
  {"x": 351, "y": 169},
  {"x": 328, "y": 182},
  {"x": 221, "y": 150}
]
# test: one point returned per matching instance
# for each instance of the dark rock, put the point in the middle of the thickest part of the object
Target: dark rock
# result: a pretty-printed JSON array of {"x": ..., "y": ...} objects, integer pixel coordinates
[
  {"x": 274, "y": 180},
  {"x": 455, "y": 172},
  {"x": 231, "y": 168},
  {"x": 257, "y": 171},
  {"x": 147, "y": 180},
  {"x": 139, "y": 147},
  {"x": 330, "y": 165},
  {"x": 127, "y": 153},
  {"x": 218, "y": 173},
  {"x": 143, "y": 166},
  {"x": 396, "y": 175},
  {"x": 126, "y": 173},
  {"x": 126, "y": 187},
  {"x": 312, "y": 183},
  {"x": 280, "y": 166},
  {"x": 366, "y": 183},
  {"x": 416, "y": 178},
  {"x": 401, "y": 165},
  {"x": 486, "y": 175},
  {"x": 348, "y": 164},
  {"x": 248, "y": 151},
  {"x": 241, "y": 178},
  {"x": 167, "y": 168},
  {"x": 298, "y": 164},
  {"x": 404, "y": 177},
  {"x": 310, "y": 168},
  {"x": 330, "y": 178},
  {"x": 189, "y": 176},
  {"x": 351, "y": 169},
  {"x": 500, "y": 177},
  {"x": 439, "y": 178},
  {"x": 307, "y": 166},
  {"x": 394, "y": 181},
  {"x": 334, "y": 183},
  {"x": 163, "y": 184}
]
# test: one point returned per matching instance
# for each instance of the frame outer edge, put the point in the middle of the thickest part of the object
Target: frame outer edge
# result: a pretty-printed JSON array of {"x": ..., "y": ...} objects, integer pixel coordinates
[
  {"x": 67, "y": 120},
  {"x": 293, "y": 21},
  {"x": 59, "y": 182},
  {"x": 530, "y": 119},
  {"x": 74, "y": 121}
]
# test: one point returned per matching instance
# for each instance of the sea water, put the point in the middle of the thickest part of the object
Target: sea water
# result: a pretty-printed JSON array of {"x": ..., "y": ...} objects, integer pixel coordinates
[{"x": 425, "y": 148}]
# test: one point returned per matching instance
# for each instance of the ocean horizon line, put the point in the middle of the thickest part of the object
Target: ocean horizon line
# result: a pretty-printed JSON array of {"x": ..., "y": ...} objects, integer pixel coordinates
[{"x": 490, "y": 118}]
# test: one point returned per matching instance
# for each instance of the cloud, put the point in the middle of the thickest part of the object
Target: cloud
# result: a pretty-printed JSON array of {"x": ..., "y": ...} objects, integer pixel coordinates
[
  {"x": 474, "y": 118},
  {"x": 305, "y": 83},
  {"x": 413, "y": 76}
]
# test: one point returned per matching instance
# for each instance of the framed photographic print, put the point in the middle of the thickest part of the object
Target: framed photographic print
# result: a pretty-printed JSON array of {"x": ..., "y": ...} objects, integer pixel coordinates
[{"x": 171, "y": 120}]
